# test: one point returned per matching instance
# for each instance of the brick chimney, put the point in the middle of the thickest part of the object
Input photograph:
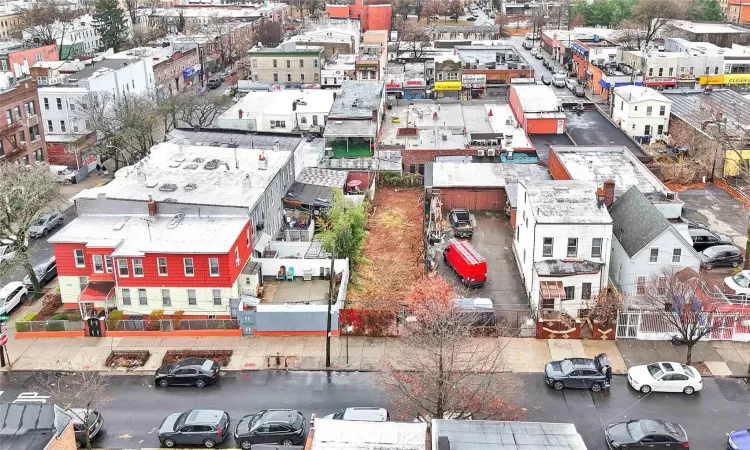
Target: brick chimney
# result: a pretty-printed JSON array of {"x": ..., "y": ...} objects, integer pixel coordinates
[
  {"x": 609, "y": 192},
  {"x": 151, "y": 207}
]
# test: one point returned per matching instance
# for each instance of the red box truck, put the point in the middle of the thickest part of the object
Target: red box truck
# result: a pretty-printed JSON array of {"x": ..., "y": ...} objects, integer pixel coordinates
[{"x": 467, "y": 262}]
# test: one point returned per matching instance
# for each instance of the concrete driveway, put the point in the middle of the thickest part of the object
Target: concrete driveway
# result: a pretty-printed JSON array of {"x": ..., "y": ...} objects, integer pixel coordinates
[{"x": 493, "y": 237}]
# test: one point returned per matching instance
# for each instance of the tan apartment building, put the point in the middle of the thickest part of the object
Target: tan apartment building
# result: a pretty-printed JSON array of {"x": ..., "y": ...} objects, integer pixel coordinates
[
  {"x": 373, "y": 56},
  {"x": 10, "y": 23},
  {"x": 287, "y": 63}
]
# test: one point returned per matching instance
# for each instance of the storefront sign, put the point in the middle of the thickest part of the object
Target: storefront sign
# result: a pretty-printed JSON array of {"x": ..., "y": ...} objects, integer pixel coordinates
[
  {"x": 661, "y": 80},
  {"x": 726, "y": 79},
  {"x": 480, "y": 79},
  {"x": 447, "y": 85},
  {"x": 414, "y": 83},
  {"x": 393, "y": 85}
]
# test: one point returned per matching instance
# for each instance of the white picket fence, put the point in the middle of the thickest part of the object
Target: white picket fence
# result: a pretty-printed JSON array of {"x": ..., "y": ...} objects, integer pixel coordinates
[{"x": 654, "y": 326}]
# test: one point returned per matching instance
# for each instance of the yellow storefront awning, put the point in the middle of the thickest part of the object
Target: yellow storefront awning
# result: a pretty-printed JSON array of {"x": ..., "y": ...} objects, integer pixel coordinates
[
  {"x": 741, "y": 78},
  {"x": 447, "y": 85}
]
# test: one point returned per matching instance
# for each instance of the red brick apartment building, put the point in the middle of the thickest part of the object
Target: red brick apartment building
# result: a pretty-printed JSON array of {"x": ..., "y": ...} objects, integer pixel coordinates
[
  {"x": 21, "y": 136},
  {"x": 372, "y": 17}
]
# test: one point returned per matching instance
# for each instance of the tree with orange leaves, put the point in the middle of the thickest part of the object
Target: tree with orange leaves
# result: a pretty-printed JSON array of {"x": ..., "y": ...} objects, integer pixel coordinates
[{"x": 439, "y": 369}]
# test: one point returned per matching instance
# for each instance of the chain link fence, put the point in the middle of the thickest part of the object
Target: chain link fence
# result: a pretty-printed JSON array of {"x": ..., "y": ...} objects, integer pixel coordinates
[
  {"x": 49, "y": 325},
  {"x": 175, "y": 324}
]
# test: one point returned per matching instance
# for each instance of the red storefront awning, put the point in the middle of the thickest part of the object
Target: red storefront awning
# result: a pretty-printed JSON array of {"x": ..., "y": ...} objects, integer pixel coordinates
[{"x": 97, "y": 291}]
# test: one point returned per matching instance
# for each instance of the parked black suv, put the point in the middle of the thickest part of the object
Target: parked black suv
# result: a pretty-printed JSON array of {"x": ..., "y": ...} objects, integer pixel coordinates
[
  {"x": 197, "y": 372},
  {"x": 271, "y": 426},
  {"x": 702, "y": 238},
  {"x": 578, "y": 373},
  {"x": 95, "y": 423}
]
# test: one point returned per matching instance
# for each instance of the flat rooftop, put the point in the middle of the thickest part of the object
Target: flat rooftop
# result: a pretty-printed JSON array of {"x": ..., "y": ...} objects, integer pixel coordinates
[
  {"x": 361, "y": 435},
  {"x": 137, "y": 235},
  {"x": 493, "y": 57},
  {"x": 535, "y": 98},
  {"x": 100, "y": 68},
  {"x": 634, "y": 94},
  {"x": 708, "y": 27},
  {"x": 601, "y": 163},
  {"x": 491, "y": 434},
  {"x": 696, "y": 106},
  {"x": 592, "y": 128},
  {"x": 565, "y": 201},
  {"x": 357, "y": 99},
  {"x": 313, "y": 292},
  {"x": 482, "y": 175},
  {"x": 198, "y": 175},
  {"x": 225, "y": 138},
  {"x": 503, "y": 121},
  {"x": 279, "y": 103}
]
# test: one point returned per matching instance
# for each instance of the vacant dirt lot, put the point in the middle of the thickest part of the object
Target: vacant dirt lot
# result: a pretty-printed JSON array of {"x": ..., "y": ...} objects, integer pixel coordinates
[{"x": 393, "y": 247}]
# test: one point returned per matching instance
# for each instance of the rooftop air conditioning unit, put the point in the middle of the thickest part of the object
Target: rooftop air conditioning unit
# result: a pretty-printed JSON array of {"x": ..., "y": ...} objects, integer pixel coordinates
[
  {"x": 490, "y": 152},
  {"x": 480, "y": 152}
]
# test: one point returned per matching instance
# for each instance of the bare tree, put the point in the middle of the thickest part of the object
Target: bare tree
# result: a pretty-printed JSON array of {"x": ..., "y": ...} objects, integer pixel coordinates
[
  {"x": 649, "y": 18},
  {"x": 46, "y": 22},
  {"x": 439, "y": 369},
  {"x": 79, "y": 393},
  {"x": 200, "y": 110},
  {"x": 268, "y": 33},
  {"x": 144, "y": 32},
  {"x": 26, "y": 192},
  {"x": 673, "y": 296},
  {"x": 502, "y": 21},
  {"x": 131, "y": 7},
  {"x": 228, "y": 38},
  {"x": 414, "y": 38}
]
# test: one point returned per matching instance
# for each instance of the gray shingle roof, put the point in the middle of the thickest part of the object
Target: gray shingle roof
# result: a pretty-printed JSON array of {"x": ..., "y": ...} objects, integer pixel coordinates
[{"x": 636, "y": 221}]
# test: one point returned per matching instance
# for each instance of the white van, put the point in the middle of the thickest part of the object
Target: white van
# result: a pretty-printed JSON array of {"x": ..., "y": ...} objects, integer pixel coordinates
[
  {"x": 531, "y": 36},
  {"x": 558, "y": 80},
  {"x": 63, "y": 174}
]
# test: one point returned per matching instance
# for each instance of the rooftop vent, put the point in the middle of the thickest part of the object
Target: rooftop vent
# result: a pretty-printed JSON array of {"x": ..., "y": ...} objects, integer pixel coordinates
[
  {"x": 176, "y": 219},
  {"x": 179, "y": 158},
  {"x": 175, "y": 164},
  {"x": 191, "y": 187},
  {"x": 168, "y": 187},
  {"x": 151, "y": 184},
  {"x": 169, "y": 200},
  {"x": 120, "y": 223},
  {"x": 211, "y": 165},
  {"x": 198, "y": 160},
  {"x": 191, "y": 166}
]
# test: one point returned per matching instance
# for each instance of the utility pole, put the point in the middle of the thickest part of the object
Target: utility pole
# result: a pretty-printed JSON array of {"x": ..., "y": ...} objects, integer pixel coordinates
[{"x": 330, "y": 300}]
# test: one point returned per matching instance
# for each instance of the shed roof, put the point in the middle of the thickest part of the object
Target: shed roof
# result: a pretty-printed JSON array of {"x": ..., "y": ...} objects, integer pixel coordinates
[
  {"x": 636, "y": 221},
  {"x": 485, "y": 434},
  {"x": 30, "y": 426},
  {"x": 323, "y": 177},
  {"x": 565, "y": 201},
  {"x": 696, "y": 107},
  {"x": 486, "y": 175}
]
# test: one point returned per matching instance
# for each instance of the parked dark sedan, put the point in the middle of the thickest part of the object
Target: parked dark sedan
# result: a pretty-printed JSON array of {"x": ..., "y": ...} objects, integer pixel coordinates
[
  {"x": 206, "y": 427},
  {"x": 546, "y": 80},
  {"x": 197, "y": 372},
  {"x": 578, "y": 373},
  {"x": 739, "y": 440},
  {"x": 271, "y": 426},
  {"x": 45, "y": 272},
  {"x": 721, "y": 256},
  {"x": 646, "y": 433},
  {"x": 703, "y": 239},
  {"x": 578, "y": 91},
  {"x": 95, "y": 424}
]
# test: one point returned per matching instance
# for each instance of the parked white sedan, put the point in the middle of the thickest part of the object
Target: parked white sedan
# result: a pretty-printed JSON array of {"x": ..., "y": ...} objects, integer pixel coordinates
[{"x": 665, "y": 377}]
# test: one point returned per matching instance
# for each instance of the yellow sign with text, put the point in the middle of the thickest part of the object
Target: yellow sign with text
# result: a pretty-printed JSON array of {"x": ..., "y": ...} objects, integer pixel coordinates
[
  {"x": 743, "y": 78},
  {"x": 447, "y": 85}
]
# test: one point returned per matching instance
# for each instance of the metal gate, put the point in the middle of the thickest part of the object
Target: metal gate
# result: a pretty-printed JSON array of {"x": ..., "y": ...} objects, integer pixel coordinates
[
  {"x": 628, "y": 323},
  {"x": 247, "y": 321}
]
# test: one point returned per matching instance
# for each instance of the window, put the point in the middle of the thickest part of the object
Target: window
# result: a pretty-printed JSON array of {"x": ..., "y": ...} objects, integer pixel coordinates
[
  {"x": 236, "y": 257},
  {"x": 275, "y": 64},
  {"x": 315, "y": 63},
  {"x": 213, "y": 267},
  {"x": 98, "y": 263},
  {"x": 651, "y": 72},
  {"x": 647, "y": 130},
  {"x": 276, "y": 77},
  {"x": 302, "y": 63},
  {"x": 62, "y": 126},
  {"x": 570, "y": 293},
  {"x": 676, "y": 255},
  {"x": 9, "y": 116},
  {"x": 289, "y": 77},
  {"x": 596, "y": 247},
  {"x": 216, "y": 294},
  {"x": 122, "y": 267},
  {"x": 137, "y": 267},
  {"x": 161, "y": 263},
  {"x": 302, "y": 77},
  {"x": 547, "y": 247},
  {"x": 108, "y": 263},
  {"x": 649, "y": 109},
  {"x": 660, "y": 130},
  {"x": 288, "y": 64},
  {"x": 661, "y": 287},
  {"x": 191, "y": 297},
  {"x": 22, "y": 137},
  {"x": 166, "y": 300},
  {"x": 255, "y": 64},
  {"x": 654, "y": 255},
  {"x": 189, "y": 269},
  {"x": 692, "y": 71},
  {"x": 314, "y": 119},
  {"x": 518, "y": 233},
  {"x": 586, "y": 291},
  {"x": 126, "y": 297},
  {"x": 30, "y": 108},
  {"x": 142, "y": 298},
  {"x": 34, "y": 133},
  {"x": 708, "y": 70},
  {"x": 621, "y": 105},
  {"x": 716, "y": 70},
  {"x": 635, "y": 108},
  {"x": 80, "y": 261},
  {"x": 46, "y": 103},
  {"x": 572, "y": 247},
  {"x": 661, "y": 71},
  {"x": 83, "y": 282},
  {"x": 49, "y": 126},
  {"x": 671, "y": 71},
  {"x": 59, "y": 104},
  {"x": 640, "y": 287}
]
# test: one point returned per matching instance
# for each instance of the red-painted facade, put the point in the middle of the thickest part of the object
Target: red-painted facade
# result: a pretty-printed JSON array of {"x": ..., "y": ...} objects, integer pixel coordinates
[
  {"x": 556, "y": 167},
  {"x": 371, "y": 17},
  {"x": 515, "y": 106},
  {"x": 532, "y": 126},
  {"x": 29, "y": 56},
  {"x": 228, "y": 269}
]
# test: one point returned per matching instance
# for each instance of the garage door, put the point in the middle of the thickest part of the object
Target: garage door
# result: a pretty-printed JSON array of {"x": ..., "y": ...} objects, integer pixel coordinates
[{"x": 474, "y": 199}]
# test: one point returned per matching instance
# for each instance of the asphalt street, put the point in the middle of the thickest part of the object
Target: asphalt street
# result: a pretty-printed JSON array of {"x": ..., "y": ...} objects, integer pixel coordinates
[
  {"x": 137, "y": 407},
  {"x": 39, "y": 249}
]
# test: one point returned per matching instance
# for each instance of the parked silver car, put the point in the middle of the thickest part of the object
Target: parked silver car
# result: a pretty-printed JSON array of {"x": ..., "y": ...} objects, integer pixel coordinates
[{"x": 45, "y": 224}]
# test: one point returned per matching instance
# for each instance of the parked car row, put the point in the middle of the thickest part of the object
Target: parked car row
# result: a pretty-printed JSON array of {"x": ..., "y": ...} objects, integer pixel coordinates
[{"x": 716, "y": 250}]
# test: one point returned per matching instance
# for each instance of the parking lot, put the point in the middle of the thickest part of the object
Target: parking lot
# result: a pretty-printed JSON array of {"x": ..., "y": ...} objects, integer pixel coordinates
[{"x": 492, "y": 238}]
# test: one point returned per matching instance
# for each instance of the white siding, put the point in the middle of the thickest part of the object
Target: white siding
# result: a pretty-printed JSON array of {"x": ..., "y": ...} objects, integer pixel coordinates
[
  {"x": 633, "y": 117},
  {"x": 69, "y": 289},
  {"x": 179, "y": 301}
]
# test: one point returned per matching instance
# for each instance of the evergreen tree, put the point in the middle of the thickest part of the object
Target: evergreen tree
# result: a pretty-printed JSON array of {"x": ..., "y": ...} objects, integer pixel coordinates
[
  {"x": 709, "y": 11},
  {"x": 110, "y": 23}
]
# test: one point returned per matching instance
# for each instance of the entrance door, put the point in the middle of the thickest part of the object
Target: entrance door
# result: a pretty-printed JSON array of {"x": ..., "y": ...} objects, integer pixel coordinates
[
  {"x": 560, "y": 126},
  {"x": 95, "y": 327}
]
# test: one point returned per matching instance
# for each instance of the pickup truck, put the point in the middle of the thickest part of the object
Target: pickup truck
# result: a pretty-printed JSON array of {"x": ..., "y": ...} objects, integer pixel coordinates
[{"x": 462, "y": 222}]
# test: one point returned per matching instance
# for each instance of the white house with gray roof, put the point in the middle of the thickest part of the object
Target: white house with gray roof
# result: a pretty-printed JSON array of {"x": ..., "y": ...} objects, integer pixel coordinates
[
  {"x": 644, "y": 243},
  {"x": 562, "y": 243}
]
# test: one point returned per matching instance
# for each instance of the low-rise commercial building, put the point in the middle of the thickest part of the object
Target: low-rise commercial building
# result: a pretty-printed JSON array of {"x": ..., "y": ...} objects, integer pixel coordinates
[
  {"x": 168, "y": 70},
  {"x": 447, "y": 76},
  {"x": 337, "y": 70},
  {"x": 333, "y": 40},
  {"x": 287, "y": 111},
  {"x": 373, "y": 56},
  {"x": 594, "y": 50},
  {"x": 290, "y": 62},
  {"x": 355, "y": 119},
  {"x": 537, "y": 109},
  {"x": 21, "y": 132},
  {"x": 488, "y": 70},
  {"x": 641, "y": 112},
  {"x": 722, "y": 34}
]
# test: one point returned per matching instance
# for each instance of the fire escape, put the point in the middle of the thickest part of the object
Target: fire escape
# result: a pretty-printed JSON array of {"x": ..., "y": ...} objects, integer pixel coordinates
[{"x": 9, "y": 135}]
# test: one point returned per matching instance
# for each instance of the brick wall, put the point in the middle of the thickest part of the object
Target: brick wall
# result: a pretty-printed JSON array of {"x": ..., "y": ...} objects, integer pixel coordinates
[
  {"x": 423, "y": 156},
  {"x": 515, "y": 106},
  {"x": 66, "y": 441},
  {"x": 556, "y": 167},
  {"x": 501, "y": 75}
]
